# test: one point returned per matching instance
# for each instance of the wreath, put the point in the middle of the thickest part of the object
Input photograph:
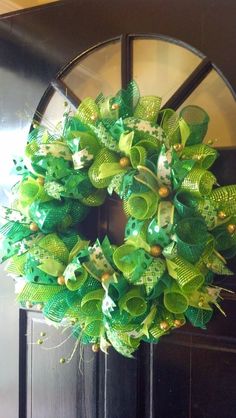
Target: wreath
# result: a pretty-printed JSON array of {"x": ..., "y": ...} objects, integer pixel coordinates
[{"x": 180, "y": 224}]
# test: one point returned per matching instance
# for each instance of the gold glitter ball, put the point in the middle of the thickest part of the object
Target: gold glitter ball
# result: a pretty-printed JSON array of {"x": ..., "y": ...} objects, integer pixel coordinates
[
  {"x": 155, "y": 250},
  {"x": 40, "y": 180},
  {"x": 115, "y": 106},
  {"x": 105, "y": 277},
  {"x": 164, "y": 325},
  {"x": 178, "y": 323},
  {"x": 95, "y": 348},
  {"x": 231, "y": 228},
  {"x": 34, "y": 227},
  {"x": 61, "y": 280},
  {"x": 163, "y": 192},
  {"x": 221, "y": 215},
  {"x": 124, "y": 162},
  {"x": 178, "y": 147}
]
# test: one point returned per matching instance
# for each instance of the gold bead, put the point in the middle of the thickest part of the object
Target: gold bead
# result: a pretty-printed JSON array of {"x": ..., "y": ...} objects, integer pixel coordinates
[
  {"x": 73, "y": 321},
  {"x": 29, "y": 305},
  {"x": 34, "y": 227},
  {"x": 105, "y": 277},
  {"x": 115, "y": 106},
  {"x": 95, "y": 348},
  {"x": 163, "y": 191},
  {"x": 210, "y": 142},
  {"x": 209, "y": 265},
  {"x": 124, "y": 162},
  {"x": 155, "y": 250},
  {"x": 40, "y": 180},
  {"x": 178, "y": 323},
  {"x": 43, "y": 334},
  {"x": 231, "y": 228},
  {"x": 199, "y": 157},
  {"x": 93, "y": 117},
  {"x": 39, "y": 342},
  {"x": 61, "y": 280},
  {"x": 65, "y": 104},
  {"x": 35, "y": 125},
  {"x": 164, "y": 325},
  {"x": 221, "y": 214},
  {"x": 39, "y": 306},
  {"x": 200, "y": 304},
  {"x": 178, "y": 147},
  {"x": 62, "y": 360}
]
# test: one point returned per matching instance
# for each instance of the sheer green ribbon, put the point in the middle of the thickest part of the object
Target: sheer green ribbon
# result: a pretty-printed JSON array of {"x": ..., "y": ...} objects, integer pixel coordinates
[{"x": 197, "y": 120}]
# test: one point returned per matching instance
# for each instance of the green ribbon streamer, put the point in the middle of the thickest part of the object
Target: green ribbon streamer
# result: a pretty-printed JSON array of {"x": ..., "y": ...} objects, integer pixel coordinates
[{"x": 164, "y": 168}]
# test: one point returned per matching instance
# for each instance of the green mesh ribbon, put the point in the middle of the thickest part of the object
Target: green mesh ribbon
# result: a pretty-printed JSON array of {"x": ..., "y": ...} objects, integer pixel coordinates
[
  {"x": 148, "y": 108},
  {"x": 191, "y": 239},
  {"x": 175, "y": 300},
  {"x": 198, "y": 182},
  {"x": 225, "y": 199},
  {"x": 187, "y": 276},
  {"x": 197, "y": 120},
  {"x": 142, "y": 205},
  {"x": 204, "y": 155},
  {"x": 37, "y": 293}
]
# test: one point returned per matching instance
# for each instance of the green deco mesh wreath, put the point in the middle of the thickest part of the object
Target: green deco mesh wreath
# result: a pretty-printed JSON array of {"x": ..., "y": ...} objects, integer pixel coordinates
[{"x": 180, "y": 227}]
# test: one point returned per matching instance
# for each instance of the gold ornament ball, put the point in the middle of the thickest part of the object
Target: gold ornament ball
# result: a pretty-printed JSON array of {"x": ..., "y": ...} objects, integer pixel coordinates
[
  {"x": 115, "y": 106},
  {"x": 178, "y": 147},
  {"x": 164, "y": 325},
  {"x": 231, "y": 228},
  {"x": 163, "y": 192},
  {"x": 178, "y": 323},
  {"x": 221, "y": 214},
  {"x": 124, "y": 162},
  {"x": 62, "y": 360},
  {"x": 40, "y": 181},
  {"x": 34, "y": 227},
  {"x": 61, "y": 280},
  {"x": 95, "y": 348},
  {"x": 105, "y": 277},
  {"x": 155, "y": 250}
]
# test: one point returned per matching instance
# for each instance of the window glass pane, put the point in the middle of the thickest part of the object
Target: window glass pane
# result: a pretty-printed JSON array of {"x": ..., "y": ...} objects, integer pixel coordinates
[
  {"x": 215, "y": 97},
  {"x": 54, "y": 111},
  {"x": 99, "y": 71},
  {"x": 160, "y": 67}
]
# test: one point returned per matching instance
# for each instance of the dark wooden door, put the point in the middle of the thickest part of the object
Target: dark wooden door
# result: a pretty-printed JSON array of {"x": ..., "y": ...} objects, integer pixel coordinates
[{"x": 191, "y": 373}]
